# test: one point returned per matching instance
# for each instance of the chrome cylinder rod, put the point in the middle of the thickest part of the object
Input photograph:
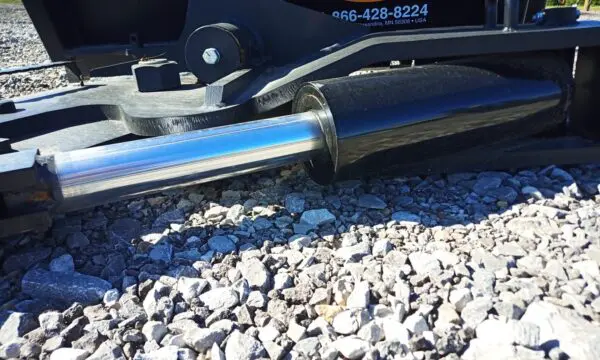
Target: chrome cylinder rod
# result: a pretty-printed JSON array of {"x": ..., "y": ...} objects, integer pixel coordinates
[{"x": 87, "y": 177}]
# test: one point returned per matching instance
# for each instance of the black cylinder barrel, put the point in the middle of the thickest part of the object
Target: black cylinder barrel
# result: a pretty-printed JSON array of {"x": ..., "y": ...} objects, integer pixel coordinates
[{"x": 384, "y": 120}]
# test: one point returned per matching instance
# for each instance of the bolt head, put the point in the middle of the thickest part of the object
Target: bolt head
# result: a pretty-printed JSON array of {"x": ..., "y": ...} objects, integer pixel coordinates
[{"x": 211, "y": 56}]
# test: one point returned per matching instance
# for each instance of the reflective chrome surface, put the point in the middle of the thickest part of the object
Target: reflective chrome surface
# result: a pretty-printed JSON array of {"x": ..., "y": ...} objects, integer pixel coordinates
[{"x": 112, "y": 172}]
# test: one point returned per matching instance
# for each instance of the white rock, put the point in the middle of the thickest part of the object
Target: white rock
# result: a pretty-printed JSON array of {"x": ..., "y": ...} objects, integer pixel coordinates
[
  {"x": 447, "y": 258},
  {"x": 224, "y": 297},
  {"x": 190, "y": 288},
  {"x": 395, "y": 331},
  {"x": 203, "y": 339},
  {"x": 69, "y": 354},
  {"x": 216, "y": 353},
  {"x": 416, "y": 324},
  {"x": 371, "y": 332},
  {"x": 299, "y": 241},
  {"x": 381, "y": 247},
  {"x": 243, "y": 347},
  {"x": 460, "y": 298},
  {"x": 423, "y": 263},
  {"x": 351, "y": 347},
  {"x": 296, "y": 332},
  {"x": 510, "y": 332},
  {"x": 360, "y": 296},
  {"x": 345, "y": 322},
  {"x": 256, "y": 300},
  {"x": 255, "y": 272},
  {"x": 282, "y": 281},
  {"x": 268, "y": 333},
  {"x": 578, "y": 338},
  {"x": 154, "y": 330},
  {"x": 111, "y": 298},
  {"x": 476, "y": 311}
]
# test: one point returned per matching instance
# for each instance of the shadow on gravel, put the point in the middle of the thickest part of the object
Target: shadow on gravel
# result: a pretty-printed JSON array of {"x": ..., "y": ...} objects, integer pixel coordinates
[{"x": 193, "y": 232}]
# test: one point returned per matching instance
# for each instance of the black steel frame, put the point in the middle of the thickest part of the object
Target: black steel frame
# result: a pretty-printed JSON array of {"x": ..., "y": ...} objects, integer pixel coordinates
[{"x": 329, "y": 48}]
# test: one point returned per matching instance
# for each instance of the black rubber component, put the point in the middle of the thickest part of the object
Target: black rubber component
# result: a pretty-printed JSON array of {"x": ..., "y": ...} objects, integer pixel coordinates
[
  {"x": 561, "y": 16},
  {"x": 234, "y": 44},
  {"x": 7, "y": 107},
  {"x": 392, "y": 119}
]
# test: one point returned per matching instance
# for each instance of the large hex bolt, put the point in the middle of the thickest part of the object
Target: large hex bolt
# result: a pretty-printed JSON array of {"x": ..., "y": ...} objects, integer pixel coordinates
[{"x": 156, "y": 75}]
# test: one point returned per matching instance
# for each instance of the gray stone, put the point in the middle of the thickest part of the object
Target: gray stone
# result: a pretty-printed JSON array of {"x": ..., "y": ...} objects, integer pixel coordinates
[
  {"x": 69, "y": 354},
  {"x": 406, "y": 217},
  {"x": 256, "y": 300},
  {"x": 10, "y": 350},
  {"x": 108, "y": 350},
  {"x": 25, "y": 260},
  {"x": 243, "y": 347},
  {"x": 294, "y": 202},
  {"x": 510, "y": 249},
  {"x": 190, "y": 288},
  {"x": 172, "y": 217},
  {"x": 307, "y": 347},
  {"x": 485, "y": 184},
  {"x": 460, "y": 298},
  {"x": 424, "y": 263},
  {"x": 67, "y": 287},
  {"x": 561, "y": 175},
  {"x": 577, "y": 338},
  {"x": 51, "y": 322},
  {"x": 124, "y": 230},
  {"x": 371, "y": 332},
  {"x": 220, "y": 298},
  {"x": 221, "y": 244},
  {"x": 476, "y": 311},
  {"x": 162, "y": 252},
  {"x": 111, "y": 298},
  {"x": 351, "y": 347},
  {"x": 299, "y": 241},
  {"x": 532, "y": 227},
  {"x": 15, "y": 326},
  {"x": 355, "y": 252},
  {"x": 202, "y": 340},
  {"x": 255, "y": 272},
  {"x": 317, "y": 217},
  {"x": 504, "y": 193},
  {"x": 371, "y": 201},
  {"x": 90, "y": 341},
  {"x": 77, "y": 240},
  {"x": 63, "y": 263}
]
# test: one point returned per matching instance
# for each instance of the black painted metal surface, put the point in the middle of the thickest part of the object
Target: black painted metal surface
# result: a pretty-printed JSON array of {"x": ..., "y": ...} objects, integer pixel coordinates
[{"x": 376, "y": 123}]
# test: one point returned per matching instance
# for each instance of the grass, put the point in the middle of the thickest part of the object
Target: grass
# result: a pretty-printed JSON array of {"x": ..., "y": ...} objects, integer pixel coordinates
[{"x": 10, "y": 1}]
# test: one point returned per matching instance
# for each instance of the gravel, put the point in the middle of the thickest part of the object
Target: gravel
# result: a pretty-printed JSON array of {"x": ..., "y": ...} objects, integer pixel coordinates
[
  {"x": 20, "y": 45},
  {"x": 484, "y": 265}
]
